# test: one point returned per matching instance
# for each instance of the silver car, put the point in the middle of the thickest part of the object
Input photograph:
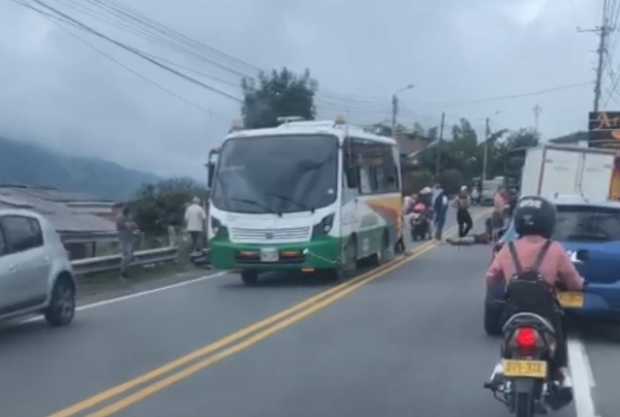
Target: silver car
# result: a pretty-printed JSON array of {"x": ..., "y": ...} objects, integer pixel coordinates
[{"x": 35, "y": 272}]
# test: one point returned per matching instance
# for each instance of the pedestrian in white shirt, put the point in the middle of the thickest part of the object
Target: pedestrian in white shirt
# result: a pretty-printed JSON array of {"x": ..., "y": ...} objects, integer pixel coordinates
[{"x": 195, "y": 218}]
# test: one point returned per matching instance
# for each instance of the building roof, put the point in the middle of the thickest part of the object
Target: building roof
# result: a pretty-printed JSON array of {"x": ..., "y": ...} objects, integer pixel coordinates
[
  {"x": 571, "y": 138},
  {"x": 411, "y": 145},
  {"x": 53, "y": 204}
]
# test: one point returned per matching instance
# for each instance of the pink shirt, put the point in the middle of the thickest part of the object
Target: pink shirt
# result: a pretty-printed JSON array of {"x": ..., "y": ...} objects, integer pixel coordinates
[{"x": 556, "y": 266}]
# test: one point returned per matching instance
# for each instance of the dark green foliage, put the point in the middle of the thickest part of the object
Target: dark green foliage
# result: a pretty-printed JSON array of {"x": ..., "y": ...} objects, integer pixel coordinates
[
  {"x": 163, "y": 204},
  {"x": 280, "y": 94}
]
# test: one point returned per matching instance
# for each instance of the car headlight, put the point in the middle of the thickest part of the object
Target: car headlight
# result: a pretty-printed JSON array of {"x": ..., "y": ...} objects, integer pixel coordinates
[{"x": 324, "y": 227}]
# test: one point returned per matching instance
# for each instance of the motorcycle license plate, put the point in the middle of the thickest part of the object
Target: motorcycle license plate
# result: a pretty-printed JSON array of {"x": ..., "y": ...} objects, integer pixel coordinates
[
  {"x": 571, "y": 299},
  {"x": 269, "y": 255},
  {"x": 515, "y": 368}
]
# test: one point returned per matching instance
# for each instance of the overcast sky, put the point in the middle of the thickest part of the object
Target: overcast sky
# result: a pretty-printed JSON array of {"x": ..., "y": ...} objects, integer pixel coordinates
[{"x": 58, "y": 91}]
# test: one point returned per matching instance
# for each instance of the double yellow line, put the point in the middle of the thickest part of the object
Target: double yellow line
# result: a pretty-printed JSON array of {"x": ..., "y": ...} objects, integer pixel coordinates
[{"x": 150, "y": 383}]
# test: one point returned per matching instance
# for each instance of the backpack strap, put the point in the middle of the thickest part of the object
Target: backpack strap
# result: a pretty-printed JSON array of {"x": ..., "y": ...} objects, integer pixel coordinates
[
  {"x": 515, "y": 258},
  {"x": 541, "y": 255}
]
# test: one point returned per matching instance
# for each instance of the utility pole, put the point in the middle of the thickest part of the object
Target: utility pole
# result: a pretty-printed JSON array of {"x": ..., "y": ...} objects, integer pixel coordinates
[
  {"x": 395, "y": 107},
  {"x": 537, "y": 111},
  {"x": 438, "y": 154},
  {"x": 485, "y": 156},
  {"x": 394, "y": 113},
  {"x": 604, "y": 30}
]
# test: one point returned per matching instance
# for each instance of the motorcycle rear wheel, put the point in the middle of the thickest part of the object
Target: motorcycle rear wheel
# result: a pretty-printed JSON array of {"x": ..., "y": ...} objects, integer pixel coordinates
[{"x": 524, "y": 405}]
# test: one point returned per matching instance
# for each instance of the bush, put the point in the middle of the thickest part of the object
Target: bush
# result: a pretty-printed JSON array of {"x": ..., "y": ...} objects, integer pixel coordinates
[{"x": 163, "y": 204}]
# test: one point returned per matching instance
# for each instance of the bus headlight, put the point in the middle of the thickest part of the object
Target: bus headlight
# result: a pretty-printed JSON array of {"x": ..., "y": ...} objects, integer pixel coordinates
[
  {"x": 217, "y": 228},
  {"x": 324, "y": 227}
]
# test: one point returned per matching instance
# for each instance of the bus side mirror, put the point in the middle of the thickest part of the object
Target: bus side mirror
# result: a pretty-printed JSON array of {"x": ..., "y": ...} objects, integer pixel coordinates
[
  {"x": 213, "y": 155},
  {"x": 210, "y": 172}
]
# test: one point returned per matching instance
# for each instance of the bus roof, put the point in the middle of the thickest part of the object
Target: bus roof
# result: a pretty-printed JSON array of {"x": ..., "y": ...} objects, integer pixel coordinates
[{"x": 328, "y": 127}]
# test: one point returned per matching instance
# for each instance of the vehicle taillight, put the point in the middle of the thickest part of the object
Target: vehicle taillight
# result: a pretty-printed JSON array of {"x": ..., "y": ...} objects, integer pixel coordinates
[{"x": 526, "y": 338}]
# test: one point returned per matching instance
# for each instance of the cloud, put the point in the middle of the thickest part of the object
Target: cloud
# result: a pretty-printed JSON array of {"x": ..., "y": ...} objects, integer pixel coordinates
[{"x": 62, "y": 93}]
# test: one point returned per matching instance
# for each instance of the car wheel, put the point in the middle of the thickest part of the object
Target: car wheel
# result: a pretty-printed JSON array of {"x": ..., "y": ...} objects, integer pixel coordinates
[
  {"x": 249, "y": 277},
  {"x": 493, "y": 318},
  {"x": 61, "y": 310}
]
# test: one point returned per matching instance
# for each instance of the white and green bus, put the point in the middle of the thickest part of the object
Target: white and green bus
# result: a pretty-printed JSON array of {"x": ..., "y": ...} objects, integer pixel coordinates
[{"x": 309, "y": 196}]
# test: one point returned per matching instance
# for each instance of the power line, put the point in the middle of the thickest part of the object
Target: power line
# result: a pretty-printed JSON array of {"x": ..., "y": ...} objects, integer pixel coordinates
[
  {"x": 138, "y": 24},
  {"x": 515, "y": 96},
  {"x": 139, "y": 17},
  {"x": 150, "y": 30},
  {"x": 133, "y": 50},
  {"x": 99, "y": 51}
]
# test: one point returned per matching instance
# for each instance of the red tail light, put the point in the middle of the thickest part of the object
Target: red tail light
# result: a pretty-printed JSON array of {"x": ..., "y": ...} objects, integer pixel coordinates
[{"x": 526, "y": 338}]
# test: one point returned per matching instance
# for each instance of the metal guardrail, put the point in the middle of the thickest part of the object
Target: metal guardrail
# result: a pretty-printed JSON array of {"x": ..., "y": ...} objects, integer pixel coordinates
[{"x": 113, "y": 262}]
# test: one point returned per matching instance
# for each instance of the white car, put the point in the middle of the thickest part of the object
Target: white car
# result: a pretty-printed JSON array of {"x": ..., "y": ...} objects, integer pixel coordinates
[{"x": 35, "y": 272}]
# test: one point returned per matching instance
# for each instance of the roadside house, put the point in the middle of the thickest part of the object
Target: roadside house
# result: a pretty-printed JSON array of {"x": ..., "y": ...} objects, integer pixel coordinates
[{"x": 82, "y": 221}]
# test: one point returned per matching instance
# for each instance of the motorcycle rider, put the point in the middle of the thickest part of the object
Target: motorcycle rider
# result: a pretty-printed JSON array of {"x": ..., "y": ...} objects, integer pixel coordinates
[{"x": 534, "y": 220}]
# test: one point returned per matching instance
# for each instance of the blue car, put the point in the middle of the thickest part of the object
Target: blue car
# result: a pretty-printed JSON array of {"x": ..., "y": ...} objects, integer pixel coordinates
[{"x": 590, "y": 232}]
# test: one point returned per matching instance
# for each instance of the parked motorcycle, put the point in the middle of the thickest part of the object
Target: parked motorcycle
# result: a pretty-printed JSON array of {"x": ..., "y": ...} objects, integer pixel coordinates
[{"x": 420, "y": 223}]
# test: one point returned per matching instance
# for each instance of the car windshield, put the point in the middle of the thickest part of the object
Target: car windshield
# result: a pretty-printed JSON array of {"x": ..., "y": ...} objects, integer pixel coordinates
[
  {"x": 587, "y": 224},
  {"x": 277, "y": 174}
]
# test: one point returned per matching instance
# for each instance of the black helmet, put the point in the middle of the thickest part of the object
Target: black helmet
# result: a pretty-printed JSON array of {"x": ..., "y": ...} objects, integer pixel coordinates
[{"x": 534, "y": 216}]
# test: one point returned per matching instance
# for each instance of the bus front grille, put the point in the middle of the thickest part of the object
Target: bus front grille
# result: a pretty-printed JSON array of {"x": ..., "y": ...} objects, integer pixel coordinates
[{"x": 291, "y": 234}]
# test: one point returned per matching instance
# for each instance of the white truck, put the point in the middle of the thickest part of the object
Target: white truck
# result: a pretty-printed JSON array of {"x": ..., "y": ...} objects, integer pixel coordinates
[{"x": 552, "y": 170}]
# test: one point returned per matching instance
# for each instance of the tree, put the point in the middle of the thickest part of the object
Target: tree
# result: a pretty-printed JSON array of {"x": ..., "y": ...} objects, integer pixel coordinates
[
  {"x": 523, "y": 138},
  {"x": 509, "y": 155},
  {"x": 162, "y": 204},
  {"x": 414, "y": 181},
  {"x": 278, "y": 95},
  {"x": 451, "y": 180}
]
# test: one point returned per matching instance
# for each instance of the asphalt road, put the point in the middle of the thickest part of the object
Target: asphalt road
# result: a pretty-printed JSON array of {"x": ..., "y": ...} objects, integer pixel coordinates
[{"x": 407, "y": 343}]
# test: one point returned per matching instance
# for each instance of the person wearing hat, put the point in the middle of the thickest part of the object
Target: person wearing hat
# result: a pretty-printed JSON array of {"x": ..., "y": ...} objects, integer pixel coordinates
[
  {"x": 195, "y": 218},
  {"x": 463, "y": 218}
]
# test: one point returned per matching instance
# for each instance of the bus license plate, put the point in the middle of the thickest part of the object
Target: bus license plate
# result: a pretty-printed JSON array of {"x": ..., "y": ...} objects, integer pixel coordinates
[
  {"x": 525, "y": 369},
  {"x": 571, "y": 299},
  {"x": 269, "y": 255}
]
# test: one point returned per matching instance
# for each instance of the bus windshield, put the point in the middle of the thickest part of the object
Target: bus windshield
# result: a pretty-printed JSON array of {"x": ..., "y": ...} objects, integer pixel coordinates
[{"x": 277, "y": 174}]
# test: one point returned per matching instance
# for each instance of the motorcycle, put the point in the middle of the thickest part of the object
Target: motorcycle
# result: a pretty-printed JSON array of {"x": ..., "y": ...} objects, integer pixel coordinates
[
  {"x": 523, "y": 380},
  {"x": 420, "y": 223}
]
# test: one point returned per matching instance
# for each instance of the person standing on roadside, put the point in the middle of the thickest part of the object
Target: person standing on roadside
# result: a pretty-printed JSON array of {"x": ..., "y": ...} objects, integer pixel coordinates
[
  {"x": 440, "y": 210},
  {"x": 499, "y": 210},
  {"x": 463, "y": 218},
  {"x": 127, "y": 230},
  {"x": 195, "y": 218}
]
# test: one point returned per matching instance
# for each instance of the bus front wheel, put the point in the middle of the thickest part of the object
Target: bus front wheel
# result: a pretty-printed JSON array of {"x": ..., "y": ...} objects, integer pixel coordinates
[
  {"x": 349, "y": 261},
  {"x": 249, "y": 277}
]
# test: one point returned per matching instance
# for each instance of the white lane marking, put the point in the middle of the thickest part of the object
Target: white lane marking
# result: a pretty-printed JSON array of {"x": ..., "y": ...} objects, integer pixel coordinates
[
  {"x": 148, "y": 292},
  {"x": 583, "y": 378},
  {"x": 138, "y": 294}
]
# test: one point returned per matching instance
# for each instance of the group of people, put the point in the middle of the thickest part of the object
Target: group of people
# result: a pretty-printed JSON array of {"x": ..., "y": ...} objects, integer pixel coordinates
[
  {"x": 128, "y": 231},
  {"x": 430, "y": 203},
  {"x": 435, "y": 203}
]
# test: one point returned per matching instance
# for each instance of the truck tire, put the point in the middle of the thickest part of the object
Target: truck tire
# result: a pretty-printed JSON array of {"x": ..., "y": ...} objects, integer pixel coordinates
[{"x": 249, "y": 276}]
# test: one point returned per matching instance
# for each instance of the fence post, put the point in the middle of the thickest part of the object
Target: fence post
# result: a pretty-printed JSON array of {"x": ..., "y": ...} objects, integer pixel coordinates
[{"x": 172, "y": 236}]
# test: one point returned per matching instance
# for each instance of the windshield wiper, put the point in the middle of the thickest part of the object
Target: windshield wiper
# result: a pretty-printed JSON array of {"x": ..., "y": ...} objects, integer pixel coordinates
[
  {"x": 257, "y": 204},
  {"x": 290, "y": 200}
]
